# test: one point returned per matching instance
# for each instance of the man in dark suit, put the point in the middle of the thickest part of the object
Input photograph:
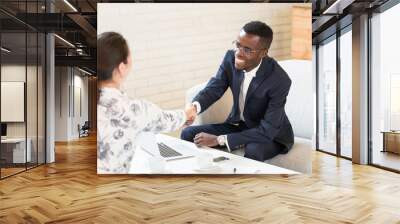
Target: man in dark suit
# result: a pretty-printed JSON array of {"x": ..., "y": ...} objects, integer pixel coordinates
[{"x": 259, "y": 86}]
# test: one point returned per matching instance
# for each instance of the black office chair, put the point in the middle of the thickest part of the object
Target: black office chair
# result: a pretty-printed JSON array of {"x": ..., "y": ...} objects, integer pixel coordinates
[{"x": 84, "y": 130}]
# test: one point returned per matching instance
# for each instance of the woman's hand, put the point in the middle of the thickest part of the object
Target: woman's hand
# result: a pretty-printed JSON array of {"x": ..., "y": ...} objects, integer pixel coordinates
[{"x": 191, "y": 113}]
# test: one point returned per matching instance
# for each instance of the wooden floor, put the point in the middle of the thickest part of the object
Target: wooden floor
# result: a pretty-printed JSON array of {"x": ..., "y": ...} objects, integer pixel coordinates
[
  {"x": 10, "y": 171},
  {"x": 69, "y": 191},
  {"x": 387, "y": 159}
]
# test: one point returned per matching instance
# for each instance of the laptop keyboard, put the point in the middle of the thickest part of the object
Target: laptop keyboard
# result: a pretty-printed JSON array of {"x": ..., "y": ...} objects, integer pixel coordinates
[{"x": 166, "y": 151}]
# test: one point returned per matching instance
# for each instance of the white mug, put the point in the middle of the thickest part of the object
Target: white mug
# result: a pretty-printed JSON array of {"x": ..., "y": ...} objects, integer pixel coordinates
[{"x": 205, "y": 160}]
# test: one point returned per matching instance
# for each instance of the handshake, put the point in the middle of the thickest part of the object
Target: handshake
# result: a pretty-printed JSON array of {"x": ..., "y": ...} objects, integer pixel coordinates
[{"x": 191, "y": 113}]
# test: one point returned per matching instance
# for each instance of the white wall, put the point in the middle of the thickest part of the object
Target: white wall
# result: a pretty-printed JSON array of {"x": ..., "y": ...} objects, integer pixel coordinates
[
  {"x": 67, "y": 115},
  {"x": 79, "y": 117},
  {"x": 12, "y": 73},
  {"x": 176, "y": 46},
  {"x": 61, "y": 103}
]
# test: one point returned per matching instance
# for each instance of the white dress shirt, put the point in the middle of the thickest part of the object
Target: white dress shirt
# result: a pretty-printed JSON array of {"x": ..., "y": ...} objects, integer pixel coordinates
[
  {"x": 248, "y": 76},
  {"x": 244, "y": 87}
]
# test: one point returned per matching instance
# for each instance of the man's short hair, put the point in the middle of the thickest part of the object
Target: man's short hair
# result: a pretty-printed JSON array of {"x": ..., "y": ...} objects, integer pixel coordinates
[{"x": 260, "y": 29}]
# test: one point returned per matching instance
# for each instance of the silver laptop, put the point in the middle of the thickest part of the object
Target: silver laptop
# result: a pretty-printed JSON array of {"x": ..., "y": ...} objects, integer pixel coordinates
[{"x": 148, "y": 142}]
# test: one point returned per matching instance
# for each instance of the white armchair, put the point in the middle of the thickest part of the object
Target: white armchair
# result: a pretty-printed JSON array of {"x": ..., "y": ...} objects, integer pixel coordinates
[{"x": 299, "y": 109}]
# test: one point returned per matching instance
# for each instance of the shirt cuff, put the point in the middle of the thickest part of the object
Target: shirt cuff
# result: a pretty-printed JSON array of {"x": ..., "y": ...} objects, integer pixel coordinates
[
  {"x": 197, "y": 105},
  {"x": 226, "y": 142}
]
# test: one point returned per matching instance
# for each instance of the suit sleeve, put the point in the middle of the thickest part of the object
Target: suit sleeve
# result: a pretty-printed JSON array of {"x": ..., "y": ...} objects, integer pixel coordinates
[
  {"x": 271, "y": 123},
  {"x": 216, "y": 87}
]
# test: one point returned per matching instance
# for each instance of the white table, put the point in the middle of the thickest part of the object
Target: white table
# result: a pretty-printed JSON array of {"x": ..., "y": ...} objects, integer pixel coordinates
[
  {"x": 144, "y": 163},
  {"x": 18, "y": 149}
]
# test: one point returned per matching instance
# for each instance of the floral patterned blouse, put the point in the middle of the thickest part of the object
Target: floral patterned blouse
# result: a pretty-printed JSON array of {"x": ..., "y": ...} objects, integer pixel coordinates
[{"x": 120, "y": 120}]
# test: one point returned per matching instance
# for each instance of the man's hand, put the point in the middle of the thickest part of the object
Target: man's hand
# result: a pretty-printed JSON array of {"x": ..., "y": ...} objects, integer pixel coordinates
[
  {"x": 204, "y": 139},
  {"x": 191, "y": 113}
]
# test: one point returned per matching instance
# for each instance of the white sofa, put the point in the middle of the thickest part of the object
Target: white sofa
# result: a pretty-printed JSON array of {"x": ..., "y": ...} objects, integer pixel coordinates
[{"x": 299, "y": 109}]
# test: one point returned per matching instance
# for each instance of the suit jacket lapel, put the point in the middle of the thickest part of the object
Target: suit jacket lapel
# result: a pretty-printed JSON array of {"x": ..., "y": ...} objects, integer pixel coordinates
[{"x": 261, "y": 75}]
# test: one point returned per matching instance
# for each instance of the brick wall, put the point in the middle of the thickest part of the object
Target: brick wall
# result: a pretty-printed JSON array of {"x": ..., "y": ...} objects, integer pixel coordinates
[{"x": 176, "y": 46}]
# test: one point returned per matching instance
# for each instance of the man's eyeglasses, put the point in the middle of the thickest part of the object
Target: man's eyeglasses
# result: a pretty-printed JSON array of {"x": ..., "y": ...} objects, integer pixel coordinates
[{"x": 247, "y": 51}]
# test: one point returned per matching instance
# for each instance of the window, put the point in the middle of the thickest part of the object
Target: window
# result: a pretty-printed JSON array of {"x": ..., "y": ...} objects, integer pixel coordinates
[
  {"x": 346, "y": 93},
  {"x": 22, "y": 77},
  {"x": 385, "y": 87},
  {"x": 327, "y": 96}
]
